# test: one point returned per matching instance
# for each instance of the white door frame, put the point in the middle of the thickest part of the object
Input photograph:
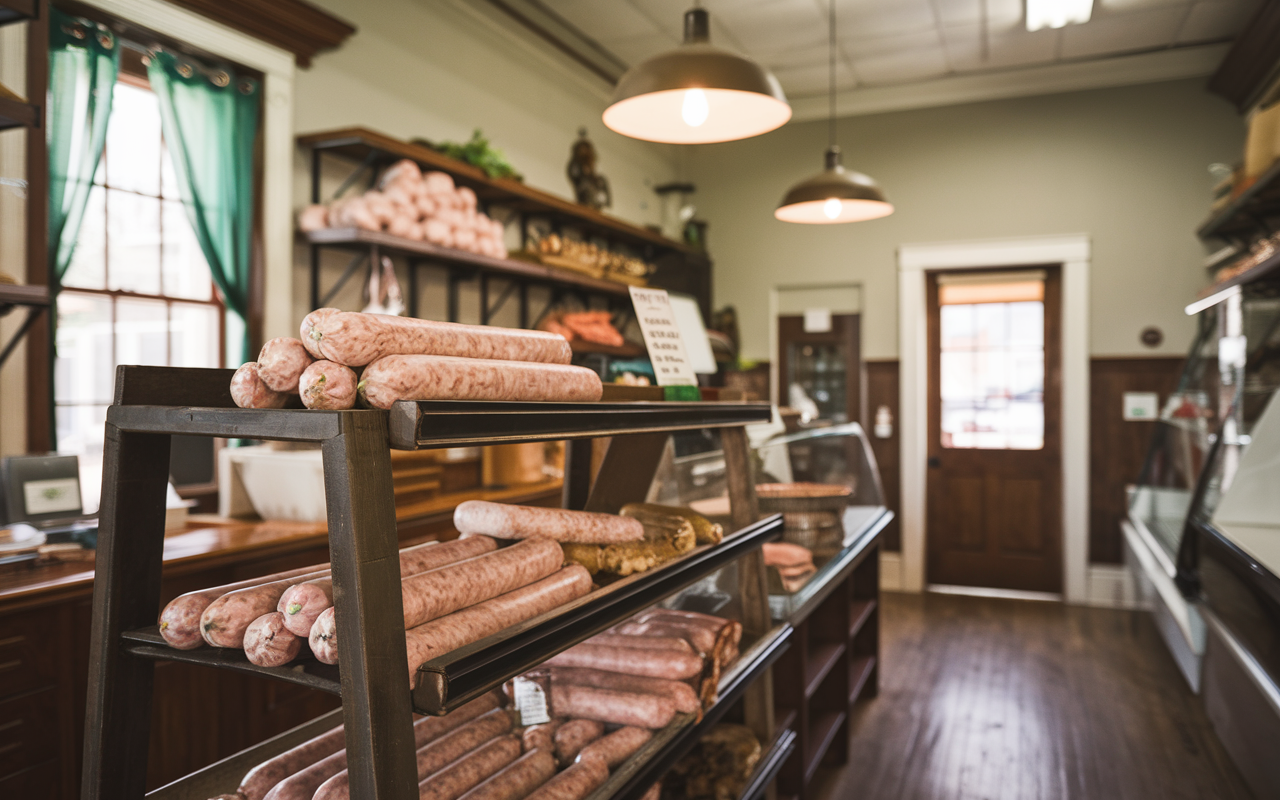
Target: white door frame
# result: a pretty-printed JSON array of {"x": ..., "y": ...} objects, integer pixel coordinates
[{"x": 1073, "y": 253}]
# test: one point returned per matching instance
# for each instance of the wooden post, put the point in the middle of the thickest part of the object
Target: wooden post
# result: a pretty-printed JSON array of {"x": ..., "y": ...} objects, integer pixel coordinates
[
  {"x": 626, "y": 471},
  {"x": 364, "y": 551}
]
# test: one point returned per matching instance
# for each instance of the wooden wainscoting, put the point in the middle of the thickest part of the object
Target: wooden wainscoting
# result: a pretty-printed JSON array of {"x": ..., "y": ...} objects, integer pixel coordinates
[{"x": 882, "y": 390}]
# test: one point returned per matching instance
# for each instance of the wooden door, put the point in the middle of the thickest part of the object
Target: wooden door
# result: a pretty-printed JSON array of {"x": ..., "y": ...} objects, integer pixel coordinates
[
  {"x": 995, "y": 442},
  {"x": 827, "y": 365}
]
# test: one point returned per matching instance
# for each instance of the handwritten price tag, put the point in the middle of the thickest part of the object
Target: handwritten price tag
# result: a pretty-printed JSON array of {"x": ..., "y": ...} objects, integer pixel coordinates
[{"x": 662, "y": 337}]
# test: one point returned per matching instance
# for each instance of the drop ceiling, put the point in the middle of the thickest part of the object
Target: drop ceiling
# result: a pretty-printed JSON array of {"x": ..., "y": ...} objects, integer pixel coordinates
[{"x": 902, "y": 53}]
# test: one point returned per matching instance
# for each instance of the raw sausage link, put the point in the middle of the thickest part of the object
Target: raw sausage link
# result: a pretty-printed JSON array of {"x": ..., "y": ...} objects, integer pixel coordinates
[
  {"x": 668, "y": 664},
  {"x": 541, "y": 735},
  {"x": 450, "y": 632},
  {"x": 522, "y": 522},
  {"x": 260, "y": 780},
  {"x": 617, "y": 747},
  {"x": 393, "y": 378},
  {"x": 313, "y": 597},
  {"x": 356, "y": 339},
  {"x": 575, "y": 735},
  {"x": 441, "y": 591},
  {"x": 302, "y": 785},
  {"x": 607, "y": 705},
  {"x": 281, "y": 362},
  {"x": 327, "y": 385},
  {"x": 575, "y": 783},
  {"x": 472, "y": 769},
  {"x": 250, "y": 391},
  {"x": 180, "y": 619},
  {"x": 428, "y": 729},
  {"x": 435, "y": 753},
  {"x": 223, "y": 623},
  {"x": 518, "y": 780},
  {"x": 680, "y": 693},
  {"x": 268, "y": 643},
  {"x": 672, "y": 643},
  {"x": 309, "y": 323},
  {"x": 703, "y": 640},
  {"x": 323, "y": 637}
]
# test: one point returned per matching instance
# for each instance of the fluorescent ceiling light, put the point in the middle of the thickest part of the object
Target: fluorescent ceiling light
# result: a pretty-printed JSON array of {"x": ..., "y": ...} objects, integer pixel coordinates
[{"x": 1057, "y": 13}]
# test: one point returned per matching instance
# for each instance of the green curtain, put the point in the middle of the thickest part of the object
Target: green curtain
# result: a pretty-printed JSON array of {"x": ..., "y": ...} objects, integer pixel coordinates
[
  {"x": 210, "y": 120},
  {"x": 84, "y": 59}
]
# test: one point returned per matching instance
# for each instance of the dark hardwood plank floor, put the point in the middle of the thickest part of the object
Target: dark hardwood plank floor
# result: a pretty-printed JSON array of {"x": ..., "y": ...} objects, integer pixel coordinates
[{"x": 985, "y": 698}]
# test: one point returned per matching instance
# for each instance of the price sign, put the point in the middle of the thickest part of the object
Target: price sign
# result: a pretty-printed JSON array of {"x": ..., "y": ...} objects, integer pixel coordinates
[{"x": 662, "y": 337}]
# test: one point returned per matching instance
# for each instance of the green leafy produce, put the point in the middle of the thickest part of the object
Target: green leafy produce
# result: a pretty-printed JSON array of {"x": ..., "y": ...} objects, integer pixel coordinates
[{"x": 479, "y": 153}]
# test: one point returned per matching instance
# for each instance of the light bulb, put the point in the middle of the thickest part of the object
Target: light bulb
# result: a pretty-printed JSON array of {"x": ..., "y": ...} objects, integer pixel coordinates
[
  {"x": 695, "y": 110},
  {"x": 831, "y": 208}
]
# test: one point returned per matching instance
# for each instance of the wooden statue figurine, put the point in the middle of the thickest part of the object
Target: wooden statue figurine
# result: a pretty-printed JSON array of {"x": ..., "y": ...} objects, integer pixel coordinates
[{"x": 589, "y": 187}]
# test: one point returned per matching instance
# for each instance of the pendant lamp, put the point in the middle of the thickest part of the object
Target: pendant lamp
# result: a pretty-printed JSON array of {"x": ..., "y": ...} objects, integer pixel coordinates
[
  {"x": 697, "y": 94},
  {"x": 836, "y": 194}
]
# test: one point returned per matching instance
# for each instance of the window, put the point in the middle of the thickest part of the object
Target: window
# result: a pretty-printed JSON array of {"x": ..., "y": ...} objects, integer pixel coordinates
[
  {"x": 138, "y": 290},
  {"x": 992, "y": 361}
]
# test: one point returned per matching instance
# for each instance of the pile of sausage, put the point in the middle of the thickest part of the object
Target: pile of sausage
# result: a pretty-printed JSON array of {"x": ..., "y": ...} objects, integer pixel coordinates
[
  {"x": 415, "y": 205},
  {"x": 402, "y": 358},
  {"x": 454, "y": 593}
]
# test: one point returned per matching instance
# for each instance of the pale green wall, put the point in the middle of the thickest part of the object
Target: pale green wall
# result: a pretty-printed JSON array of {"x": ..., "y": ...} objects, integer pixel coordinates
[{"x": 1126, "y": 166}]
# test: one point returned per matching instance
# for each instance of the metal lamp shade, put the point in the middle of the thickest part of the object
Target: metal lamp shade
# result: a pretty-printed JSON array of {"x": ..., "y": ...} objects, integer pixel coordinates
[
  {"x": 742, "y": 98},
  {"x": 810, "y": 201}
]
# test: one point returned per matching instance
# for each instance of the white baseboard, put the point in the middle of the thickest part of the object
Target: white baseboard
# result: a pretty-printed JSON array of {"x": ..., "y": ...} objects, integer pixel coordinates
[
  {"x": 890, "y": 572},
  {"x": 1112, "y": 586}
]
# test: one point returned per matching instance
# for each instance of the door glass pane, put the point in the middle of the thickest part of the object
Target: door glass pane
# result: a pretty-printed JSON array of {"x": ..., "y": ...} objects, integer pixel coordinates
[
  {"x": 141, "y": 332},
  {"x": 816, "y": 380},
  {"x": 992, "y": 374}
]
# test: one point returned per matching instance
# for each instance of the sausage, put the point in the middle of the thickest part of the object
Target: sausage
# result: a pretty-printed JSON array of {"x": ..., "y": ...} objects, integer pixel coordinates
[
  {"x": 411, "y": 377},
  {"x": 434, "y": 755},
  {"x": 673, "y": 643},
  {"x": 703, "y": 640},
  {"x": 317, "y": 317},
  {"x": 260, "y": 780},
  {"x": 281, "y": 362},
  {"x": 302, "y": 785},
  {"x": 608, "y": 705},
  {"x": 575, "y": 783},
  {"x": 617, "y": 747},
  {"x": 541, "y": 736},
  {"x": 518, "y": 779},
  {"x": 680, "y": 693},
  {"x": 223, "y": 623},
  {"x": 323, "y": 637},
  {"x": 268, "y": 643},
  {"x": 472, "y": 624},
  {"x": 575, "y": 735},
  {"x": 471, "y": 770},
  {"x": 180, "y": 619},
  {"x": 669, "y": 664},
  {"x": 522, "y": 522},
  {"x": 428, "y": 729},
  {"x": 302, "y": 603},
  {"x": 356, "y": 339},
  {"x": 327, "y": 385},
  {"x": 250, "y": 391},
  {"x": 441, "y": 591}
]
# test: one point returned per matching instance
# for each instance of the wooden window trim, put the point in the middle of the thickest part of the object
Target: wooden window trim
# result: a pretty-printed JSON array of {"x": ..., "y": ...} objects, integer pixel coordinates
[{"x": 292, "y": 25}]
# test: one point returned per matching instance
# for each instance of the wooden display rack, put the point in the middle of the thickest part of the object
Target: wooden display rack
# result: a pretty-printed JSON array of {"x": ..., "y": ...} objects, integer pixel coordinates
[{"x": 153, "y": 403}]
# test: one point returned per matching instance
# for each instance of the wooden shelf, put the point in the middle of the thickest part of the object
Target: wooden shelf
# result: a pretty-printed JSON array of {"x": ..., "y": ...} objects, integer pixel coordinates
[
  {"x": 859, "y": 614},
  {"x": 357, "y": 238},
  {"x": 859, "y": 671},
  {"x": 1246, "y": 213},
  {"x": 628, "y": 350},
  {"x": 363, "y": 145},
  {"x": 16, "y": 114},
  {"x": 822, "y": 730},
  {"x": 19, "y": 295},
  {"x": 821, "y": 659}
]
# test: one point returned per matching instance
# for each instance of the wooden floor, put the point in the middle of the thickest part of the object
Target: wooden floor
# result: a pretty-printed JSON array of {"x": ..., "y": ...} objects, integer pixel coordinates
[{"x": 984, "y": 698}]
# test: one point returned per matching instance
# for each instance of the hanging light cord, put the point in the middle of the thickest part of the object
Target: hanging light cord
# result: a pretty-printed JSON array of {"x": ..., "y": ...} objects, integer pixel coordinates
[{"x": 831, "y": 77}]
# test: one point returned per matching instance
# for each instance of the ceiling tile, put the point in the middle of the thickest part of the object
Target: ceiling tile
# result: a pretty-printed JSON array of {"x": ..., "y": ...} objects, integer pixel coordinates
[
  {"x": 810, "y": 81},
  {"x": 1019, "y": 47},
  {"x": 767, "y": 28},
  {"x": 607, "y": 20},
  {"x": 958, "y": 12},
  {"x": 1114, "y": 33},
  {"x": 634, "y": 49},
  {"x": 862, "y": 47},
  {"x": 1216, "y": 19},
  {"x": 901, "y": 67},
  {"x": 1004, "y": 15},
  {"x": 867, "y": 18}
]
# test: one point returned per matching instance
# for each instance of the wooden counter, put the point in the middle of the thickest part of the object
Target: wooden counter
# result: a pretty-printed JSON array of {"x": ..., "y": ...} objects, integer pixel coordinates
[{"x": 199, "y": 715}]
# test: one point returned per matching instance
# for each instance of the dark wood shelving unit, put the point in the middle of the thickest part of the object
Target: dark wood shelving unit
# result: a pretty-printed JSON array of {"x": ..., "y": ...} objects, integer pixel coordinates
[
  {"x": 16, "y": 114},
  {"x": 152, "y": 404},
  {"x": 822, "y": 659},
  {"x": 1254, "y": 211},
  {"x": 34, "y": 298},
  {"x": 679, "y": 266}
]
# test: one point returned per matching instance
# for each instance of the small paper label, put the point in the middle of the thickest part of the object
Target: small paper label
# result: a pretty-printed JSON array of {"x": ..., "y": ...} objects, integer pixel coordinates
[
  {"x": 817, "y": 320},
  {"x": 1141, "y": 405},
  {"x": 662, "y": 338},
  {"x": 51, "y": 496},
  {"x": 530, "y": 702}
]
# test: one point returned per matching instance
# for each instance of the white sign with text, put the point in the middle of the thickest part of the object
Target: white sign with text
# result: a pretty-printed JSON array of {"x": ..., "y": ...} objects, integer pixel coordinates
[{"x": 662, "y": 338}]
